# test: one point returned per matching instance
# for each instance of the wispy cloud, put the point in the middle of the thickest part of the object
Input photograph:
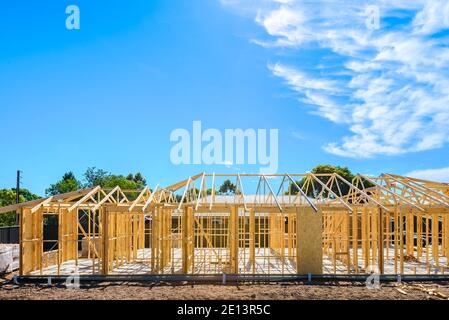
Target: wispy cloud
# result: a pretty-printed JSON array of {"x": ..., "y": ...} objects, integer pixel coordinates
[
  {"x": 395, "y": 98},
  {"x": 298, "y": 135},
  {"x": 315, "y": 91},
  {"x": 441, "y": 174},
  {"x": 228, "y": 164}
]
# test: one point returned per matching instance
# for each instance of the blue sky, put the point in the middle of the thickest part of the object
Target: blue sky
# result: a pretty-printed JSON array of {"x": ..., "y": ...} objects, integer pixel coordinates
[{"x": 109, "y": 95}]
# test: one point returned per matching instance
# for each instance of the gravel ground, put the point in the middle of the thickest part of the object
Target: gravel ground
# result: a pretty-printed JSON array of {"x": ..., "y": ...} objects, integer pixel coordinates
[{"x": 271, "y": 291}]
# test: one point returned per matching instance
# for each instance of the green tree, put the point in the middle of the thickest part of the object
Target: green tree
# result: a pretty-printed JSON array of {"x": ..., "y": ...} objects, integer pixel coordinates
[
  {"x": 227, "y": 188},
  {"x": 8, "y": 197},
  {"x": 95, "y": 177},
  {"x": 343, "y": 172},
  {"x": 123, "y": 182},
  {"x": 98, "y": 177},
  {"x": 140, "y": 179},
  {"x": 68, "y": 183}
]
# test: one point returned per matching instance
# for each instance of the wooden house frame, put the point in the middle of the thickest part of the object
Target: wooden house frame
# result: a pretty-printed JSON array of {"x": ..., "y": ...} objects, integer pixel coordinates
[{"x": 389, "y": 224}]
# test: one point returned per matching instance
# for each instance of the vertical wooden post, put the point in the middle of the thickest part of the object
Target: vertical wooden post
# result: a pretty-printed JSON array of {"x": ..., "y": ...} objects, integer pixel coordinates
[
  {"x": 160, "y": 242},
  {"x": 21, "y": 242},
  {"x": 75, "y": 235},
  {"x": 187, "y": 246},
  {"x": 95, "y": 243},
  {"x": 355, "y": 244},
  {"x": 60, "y": 237},
  {"x": 191, "y": 238},
  {"x": 348, "y": 240},
  {"x": 387, "y": 234},
  {"x": 163, "y": 238},
  {"x": 374, "y": 235},
  {"x": 252, "y": 233},
  {"x": 435, "y": 239},
  {"x": 363, "y": 236},
  {"x": 401, "y": 239},
  {"x": 153, "y": 238},
  {"x": 443, "y": 234},
  {"x": 419, "y": 234},
  {"x": 135, "y": 234},
  {"x": 396, "y": 226},
  {"x": 169, "y": 238},
  {"x": 427, "y": 238},
  {"x": 41, "y": 236},
  {"x": 410, "y": 227},
  {"x": 142, "y": 231},
  {"x": 367, "y": 236},
  {"x": 381, "y": 242},
  {"x": 234, "y": 245},
  {"x": 446, "y": 235},
  {"x": 105, "y": 228},
  {"x": 184, "y": 240}
]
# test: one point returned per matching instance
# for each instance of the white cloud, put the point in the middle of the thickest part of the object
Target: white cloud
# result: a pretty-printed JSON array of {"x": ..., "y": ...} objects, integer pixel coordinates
[
  {"x": 226, "y": 163},
  {"x": 300, "y": 81},
  {"x": 433, "y": 18},
  {"x": 286, "y": 25},
  {"x": 298, "y": 135},
  {"x": 327, "y": 108},
  {"x": 315, "y": 91},
  {"x": 395, "y": 98},
  {"x": 440, "y": 175}
]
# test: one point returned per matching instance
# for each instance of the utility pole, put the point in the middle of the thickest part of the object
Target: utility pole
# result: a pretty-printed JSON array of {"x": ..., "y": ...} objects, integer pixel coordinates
[{"x": 18, "y": 193}]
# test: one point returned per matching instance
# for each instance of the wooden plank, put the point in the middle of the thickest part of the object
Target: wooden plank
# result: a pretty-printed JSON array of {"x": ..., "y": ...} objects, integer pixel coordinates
[
  {"x": 401, "y": 240},
  {"x": 355, "y": 243},
  {"x": 105, "y": 228},
  {"x": 185, "y": 239},
  {"x": 381, "y": 242},
  {"x": 435, "y": 239},
  {"x": 419, "y": 234},
  {"x": 252, "y": 231},
  {"x": 234, "y": 246},
  {"x": 309, "y": 254},
  {"x": 21, "y": 243},
  {"x": 396, "y": 239}
]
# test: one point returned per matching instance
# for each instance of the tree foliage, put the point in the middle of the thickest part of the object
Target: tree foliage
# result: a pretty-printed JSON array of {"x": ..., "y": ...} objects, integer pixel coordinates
[
  {"x": 98, "y": 177},
  {"x": 8, "y": 197},
  {"x": 123, "y": 182},
  {"x": 95, "y": 177},
  {"x": 341, "y": 186},
  {"x": 227, "y": 188},
  {"x": 68, "y": 183}
]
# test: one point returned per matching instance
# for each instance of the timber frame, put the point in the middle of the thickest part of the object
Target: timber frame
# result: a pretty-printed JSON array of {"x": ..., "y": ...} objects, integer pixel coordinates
[{"x": 389, "y": 224}]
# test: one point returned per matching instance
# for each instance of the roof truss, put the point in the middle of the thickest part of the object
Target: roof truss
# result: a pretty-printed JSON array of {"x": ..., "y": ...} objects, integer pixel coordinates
[{"x": 280, "y": 191}]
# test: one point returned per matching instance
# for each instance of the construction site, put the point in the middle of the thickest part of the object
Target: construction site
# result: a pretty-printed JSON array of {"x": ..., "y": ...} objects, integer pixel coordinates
[{"x": 271, "y": 226}]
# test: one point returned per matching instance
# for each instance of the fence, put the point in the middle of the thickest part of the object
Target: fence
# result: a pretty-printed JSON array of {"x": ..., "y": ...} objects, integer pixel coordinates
[
  {"x": 9, "y": 234},
  {"x": 12, "y": 235}
]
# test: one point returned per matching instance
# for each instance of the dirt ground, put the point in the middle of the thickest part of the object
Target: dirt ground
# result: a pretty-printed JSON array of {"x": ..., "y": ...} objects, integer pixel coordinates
[{"x": 188, "y": 291}]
